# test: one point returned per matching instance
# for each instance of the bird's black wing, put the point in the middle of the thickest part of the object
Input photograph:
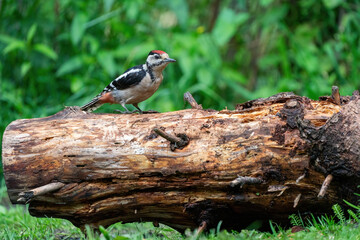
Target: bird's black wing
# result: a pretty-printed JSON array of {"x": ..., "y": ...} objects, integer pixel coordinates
[{"x": 129, "y": 78}]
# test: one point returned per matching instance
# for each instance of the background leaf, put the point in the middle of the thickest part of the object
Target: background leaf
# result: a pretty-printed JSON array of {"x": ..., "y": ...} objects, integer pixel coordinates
[
  {"x": 227, "y": 24},
  {"x": 31, "y": 33},
  {"x": 332, "y": 3},
  {"x": 13, "y": 46},
  {"x": 25, "y": 67},
  {"x": 46, "y": 51},
  {"x": 70, "y": 66},
  {"x": 78, "y": 27}
]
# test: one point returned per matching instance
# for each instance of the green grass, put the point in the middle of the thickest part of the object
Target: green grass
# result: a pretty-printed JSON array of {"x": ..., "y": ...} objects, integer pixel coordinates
[{"x": 16, "y": 223}]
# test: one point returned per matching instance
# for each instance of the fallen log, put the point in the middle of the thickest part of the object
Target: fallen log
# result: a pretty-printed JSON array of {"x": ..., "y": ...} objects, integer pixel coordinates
[{"x": 190, "y": 168}]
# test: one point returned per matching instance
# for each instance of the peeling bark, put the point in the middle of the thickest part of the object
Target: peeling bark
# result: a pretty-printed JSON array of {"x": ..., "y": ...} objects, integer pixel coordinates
[{"x": 265, "y": 160}]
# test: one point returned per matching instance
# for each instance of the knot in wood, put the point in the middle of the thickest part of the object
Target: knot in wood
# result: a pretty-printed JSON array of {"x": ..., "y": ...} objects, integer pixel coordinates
[
  {"x": 291, "y": 111},
  {"x": 184, "y": 140},
  {"x": 292, "y": 103}
]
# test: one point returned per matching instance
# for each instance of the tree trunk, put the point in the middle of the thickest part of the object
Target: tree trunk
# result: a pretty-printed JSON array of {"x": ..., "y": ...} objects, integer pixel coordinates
[{"x": 265, "y": 160}]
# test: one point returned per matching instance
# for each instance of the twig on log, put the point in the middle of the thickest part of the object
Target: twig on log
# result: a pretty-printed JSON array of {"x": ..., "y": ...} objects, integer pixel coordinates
[
  {"x": 190, "y": 99},
  {"x": 300, "y": 178},
  {"x": 201, "y": 228},
  {"x": 282, "y": 191},
  {"x": 325, "y": 186},
  {"x": 245, "y": 180},
  {"x": 25, "y": 197},
  {"x": 335, "y": 95},
  {"x": 296, "y": 200},
  {"x": 277, "y": 188},
  {"x": 356, "y": 94},
  {"x": 176, "y": 142},
  {"x": 167, "y": 136}
]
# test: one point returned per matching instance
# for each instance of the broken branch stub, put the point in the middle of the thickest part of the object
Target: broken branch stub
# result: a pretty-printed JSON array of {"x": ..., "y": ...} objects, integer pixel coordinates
[
  {"x": 25, "y": 197},
  {"x": 176, "y": 142},
  {"x": 241, "y": 181},
  {"x": 119, "y": 167},
  {"x": 335, "y": 95},
  {"x": 191, "y": 100}
]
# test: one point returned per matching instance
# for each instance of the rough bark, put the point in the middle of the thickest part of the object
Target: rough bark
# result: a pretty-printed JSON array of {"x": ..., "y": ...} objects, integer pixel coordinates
[{"x": 264, "y": 160}]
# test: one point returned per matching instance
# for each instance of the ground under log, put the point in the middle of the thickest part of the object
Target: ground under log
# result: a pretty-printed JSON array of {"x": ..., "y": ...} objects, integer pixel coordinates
[{"x": 264, "y": 160}]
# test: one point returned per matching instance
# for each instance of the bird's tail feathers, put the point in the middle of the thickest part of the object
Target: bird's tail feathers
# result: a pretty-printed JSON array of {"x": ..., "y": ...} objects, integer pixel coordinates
[{"x": 92, "y": 105}]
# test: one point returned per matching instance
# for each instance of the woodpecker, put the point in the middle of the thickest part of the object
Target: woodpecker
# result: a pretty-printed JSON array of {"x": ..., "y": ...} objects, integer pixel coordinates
[{"x": 135, "y": 85}]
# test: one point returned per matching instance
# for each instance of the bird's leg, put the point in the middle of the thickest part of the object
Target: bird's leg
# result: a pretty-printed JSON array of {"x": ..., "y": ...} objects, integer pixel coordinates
[
  {"x": 144, "y": 112},
  {"x": 136, "y": 105},
  {"x": 126, "y": 110}
]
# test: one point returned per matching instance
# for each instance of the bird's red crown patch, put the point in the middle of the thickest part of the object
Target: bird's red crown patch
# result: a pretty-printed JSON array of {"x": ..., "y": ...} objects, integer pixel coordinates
[{"x": 157, "y": 51}]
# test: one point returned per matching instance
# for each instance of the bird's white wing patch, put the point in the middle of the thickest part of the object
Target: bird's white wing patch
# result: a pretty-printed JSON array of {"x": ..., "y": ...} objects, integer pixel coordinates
[{"x": 127, "y": 73}]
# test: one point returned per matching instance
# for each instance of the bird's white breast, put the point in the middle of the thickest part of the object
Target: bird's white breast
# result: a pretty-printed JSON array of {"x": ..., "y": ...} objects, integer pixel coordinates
[{"x": 142, "y": 91}]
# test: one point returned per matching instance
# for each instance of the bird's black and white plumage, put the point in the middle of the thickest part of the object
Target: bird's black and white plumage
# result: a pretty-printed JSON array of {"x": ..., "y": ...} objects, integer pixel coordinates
[{"x": 135, "y": 85}]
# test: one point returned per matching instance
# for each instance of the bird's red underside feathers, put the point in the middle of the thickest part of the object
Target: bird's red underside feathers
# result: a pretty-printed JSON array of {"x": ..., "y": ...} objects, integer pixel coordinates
[{"x": 107, "y": 98}]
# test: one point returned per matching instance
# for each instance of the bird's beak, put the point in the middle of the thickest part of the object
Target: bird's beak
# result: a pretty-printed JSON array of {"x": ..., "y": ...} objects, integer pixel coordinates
[{"x": 169, "y": 60}]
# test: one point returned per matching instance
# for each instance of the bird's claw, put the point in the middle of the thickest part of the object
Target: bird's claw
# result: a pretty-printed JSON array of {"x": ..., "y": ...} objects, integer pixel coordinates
[
  {"x": 150, "y": 111},
  {"x": 136, "y": 111},
  {"x": 126, "y": 112}
]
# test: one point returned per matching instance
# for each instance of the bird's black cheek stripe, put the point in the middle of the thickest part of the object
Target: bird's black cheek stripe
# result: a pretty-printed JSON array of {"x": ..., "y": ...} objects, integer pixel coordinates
[
  {"x": 156, "y": 64},
  {"x": 152, "y": 76}
]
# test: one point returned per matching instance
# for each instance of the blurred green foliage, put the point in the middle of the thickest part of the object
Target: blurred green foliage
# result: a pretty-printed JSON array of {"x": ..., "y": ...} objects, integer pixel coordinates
[{"x": 62, "y": 53}]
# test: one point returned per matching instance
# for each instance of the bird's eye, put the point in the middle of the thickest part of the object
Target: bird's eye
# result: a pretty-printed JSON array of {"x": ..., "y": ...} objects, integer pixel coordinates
[{"x": 157, "y": 57}]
